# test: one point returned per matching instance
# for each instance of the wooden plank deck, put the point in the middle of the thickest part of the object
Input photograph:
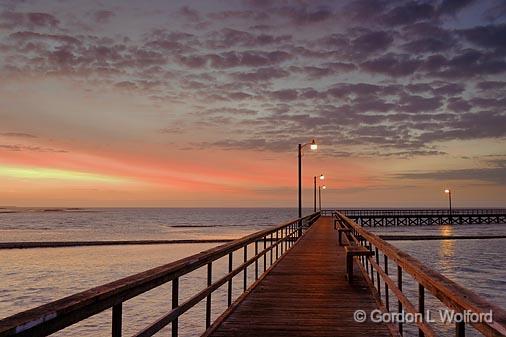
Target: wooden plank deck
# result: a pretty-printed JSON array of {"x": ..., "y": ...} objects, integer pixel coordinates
[{"x": 305, "y": 294}]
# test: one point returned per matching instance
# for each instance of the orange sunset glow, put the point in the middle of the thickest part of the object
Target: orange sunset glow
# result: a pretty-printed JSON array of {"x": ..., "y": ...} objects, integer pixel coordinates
[{"x": 208, "y": 113}]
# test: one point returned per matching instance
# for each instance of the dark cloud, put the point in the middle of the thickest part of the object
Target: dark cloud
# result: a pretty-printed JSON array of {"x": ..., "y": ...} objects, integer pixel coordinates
[
  {"x": 17, "y": 135},
  {"x": 408, "y": 13},
  {"x": 29, "y": 20},
  {"x": 451, "y": 7},
  {"x": 489, "y": 175},
  {"x": 305, "y": 15},
  {"x": 392, "y": 65},
  {"x": 491, "y": 36},
  {"x": 229, "y": 38},
  {"x": 371, "y": 42},
  {"x": 261, "y": 75},
  {"x": 103, "y": 16}
]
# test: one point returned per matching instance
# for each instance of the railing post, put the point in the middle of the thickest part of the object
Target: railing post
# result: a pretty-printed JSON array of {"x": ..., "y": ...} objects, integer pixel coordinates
[
  {"x": 265, "y": 253},
  {"x": 229, "y": 294},
  {"x": 399, "y": 285},
  {"x": 256, "y": 260},
  {"x": 460, "y": 329},
  {"x": 175, "y": 303},
  {"x": 387, "y": 297},
  {"x": 245, "y": 270},
  {"x": 421, "y": 306},
  {"x": 117, "y": 314},
  {"x": 270, "y": 250},
  {"x": 378, "y": 281},
  {"x": 277, "y": 244},
  {"x": 208, "y": 300}
]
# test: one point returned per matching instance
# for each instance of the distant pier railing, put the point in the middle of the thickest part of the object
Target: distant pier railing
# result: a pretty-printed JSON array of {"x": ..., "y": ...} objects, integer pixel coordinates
[
  {"x": 421, "y": 217},
  {"x": 269, "y": 245},
  {"x": 385, "y": 281}
]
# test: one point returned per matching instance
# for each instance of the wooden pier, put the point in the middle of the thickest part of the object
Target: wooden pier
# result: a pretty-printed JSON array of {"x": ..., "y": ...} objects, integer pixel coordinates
[
  {"x": 310, "y": 275},
  {"x": 305, "y": 294}
]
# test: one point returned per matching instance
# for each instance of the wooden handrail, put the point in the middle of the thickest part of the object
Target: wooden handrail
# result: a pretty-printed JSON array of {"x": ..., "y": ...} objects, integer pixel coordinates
[
  {"x": 451, "y": 294},
  {"x": 54, "y": 316}
]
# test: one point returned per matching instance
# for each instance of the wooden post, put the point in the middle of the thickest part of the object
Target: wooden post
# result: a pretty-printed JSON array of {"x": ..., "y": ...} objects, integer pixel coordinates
[
  {"x": 175, "y": 303},
  {"x": 399, "y": 285},
  {"x": 460, "y": 329},
  {"x": 421, "y": 306},
  {"x": 208, "y": 300},
  {"x": 256, "y": 260},
  {"x": 245, "y": 270},
  {"x": 117, "y": 313},
  {"x": 229, "y": 295},
  {"x": 387, "y": 297}
]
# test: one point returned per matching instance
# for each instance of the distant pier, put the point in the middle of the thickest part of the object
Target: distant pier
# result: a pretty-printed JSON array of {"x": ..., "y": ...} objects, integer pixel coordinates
[{"x": 425, "y": 217}]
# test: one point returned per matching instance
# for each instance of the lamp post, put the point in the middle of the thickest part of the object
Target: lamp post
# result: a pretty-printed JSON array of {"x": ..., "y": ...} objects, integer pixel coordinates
[
  {"x": 320, "y": 188},
  {"x": 314, "y": 180},
  {"x": 449, "y": 192},
  {"x": 313, "y": 146},
  {"x": 322, "y": 177}
]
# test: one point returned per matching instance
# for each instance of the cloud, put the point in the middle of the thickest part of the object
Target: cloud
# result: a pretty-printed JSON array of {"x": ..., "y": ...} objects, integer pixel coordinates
[
  {"x": 489, "y": 175},
  {"x": 17, "y": 135},
  {"x": 19, "y": 148},
  {"x": 103, "y": 16},
  {"x": 28, "y": 20}
]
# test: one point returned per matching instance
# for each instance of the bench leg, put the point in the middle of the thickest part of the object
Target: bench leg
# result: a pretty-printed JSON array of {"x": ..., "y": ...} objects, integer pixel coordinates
[{"x": 349, "y": 267}]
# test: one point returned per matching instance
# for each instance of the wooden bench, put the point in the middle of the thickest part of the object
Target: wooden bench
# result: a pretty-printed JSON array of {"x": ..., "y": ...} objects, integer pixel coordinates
[
  {"x": 340, "y": 232},
  {"x": 351, "y": 252}
]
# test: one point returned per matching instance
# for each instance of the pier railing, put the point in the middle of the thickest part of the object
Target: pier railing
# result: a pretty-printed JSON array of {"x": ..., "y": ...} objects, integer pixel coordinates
[
  {"x": 269, "y": 245},
  {"x": 385, "y": 282}
]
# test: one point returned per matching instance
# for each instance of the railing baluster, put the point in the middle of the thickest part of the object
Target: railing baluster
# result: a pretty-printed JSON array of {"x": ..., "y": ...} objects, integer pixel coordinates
[
  {"x": 175, "y": 303},
  {"x": 245, "y": 271},
  {"x": 387, "y": 297},
  {"x": 421, "y": 306},
  {"x": 117, "y": 315},
  {"x": 265, "y": 255},
  {"x": 270, "y": 250},
  {"x": 229, "y": 295},
  {"x": 208, "y": 300},
  {"x": 399, "y": 285},
  {"x": 256, "y": 260},
  {"x": 378, "y": 281},
  {"x": 277, "y": 246},
  {"x": 460, "y": 329}
]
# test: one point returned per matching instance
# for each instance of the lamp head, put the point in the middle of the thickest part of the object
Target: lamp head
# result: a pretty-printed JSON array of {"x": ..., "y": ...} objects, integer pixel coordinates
[
  {"x": 313, "y": 145},
  {"x": 447, "y": 190},
  {"x": 324, "y": 187},
  {"x": 322, "y": 176}
]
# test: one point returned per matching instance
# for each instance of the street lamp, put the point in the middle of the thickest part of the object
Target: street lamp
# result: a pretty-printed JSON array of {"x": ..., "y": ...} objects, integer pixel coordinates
[
  {"x": 322, "y": 177},
  {"x": 313, "y": 146},
  {"x": 320, "y": 188},
  {"x": 449, "y": 192}
]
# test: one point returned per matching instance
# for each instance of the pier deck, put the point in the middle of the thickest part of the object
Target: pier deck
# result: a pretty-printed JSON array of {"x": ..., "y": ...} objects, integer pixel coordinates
[{"x": 305, "y": 294}]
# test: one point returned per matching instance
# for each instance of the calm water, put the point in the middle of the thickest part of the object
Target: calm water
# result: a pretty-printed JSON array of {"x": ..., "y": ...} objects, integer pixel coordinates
[{"x": 35, "y": 276}]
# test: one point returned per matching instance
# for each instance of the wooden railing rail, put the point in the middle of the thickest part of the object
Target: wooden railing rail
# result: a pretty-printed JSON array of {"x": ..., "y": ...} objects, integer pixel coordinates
[
  {"x": 49, "y": 318},
  {"x": 449, "y": 293}
]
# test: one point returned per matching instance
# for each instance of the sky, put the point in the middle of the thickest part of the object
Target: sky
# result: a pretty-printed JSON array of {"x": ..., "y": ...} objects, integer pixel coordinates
[{"x": 202, "y": 103}]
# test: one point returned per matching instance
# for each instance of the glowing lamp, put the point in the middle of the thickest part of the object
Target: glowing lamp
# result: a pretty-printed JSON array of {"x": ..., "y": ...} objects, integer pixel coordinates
[{"x": 313, "y": 145}]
